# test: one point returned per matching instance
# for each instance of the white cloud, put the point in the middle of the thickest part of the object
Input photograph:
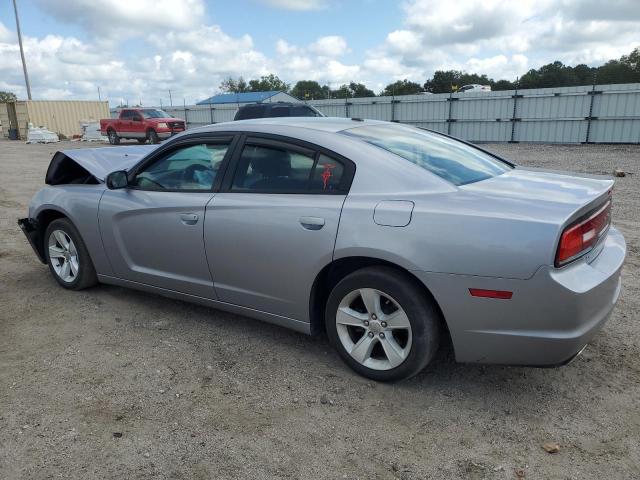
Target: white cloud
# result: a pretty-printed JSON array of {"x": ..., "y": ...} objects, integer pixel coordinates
[
  {"x": 124, "y": 18},
  {"x": 5, "y": 34},
  {"x": 296, "y": 4},
  {"x": 330, "y": 46},
  {"x": 174, "y": 50}
]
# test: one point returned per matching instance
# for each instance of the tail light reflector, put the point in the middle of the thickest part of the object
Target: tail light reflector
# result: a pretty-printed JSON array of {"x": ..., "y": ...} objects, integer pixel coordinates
[
  {"x": 480, "y": 292},
  {"x": 580, "y": 237}
]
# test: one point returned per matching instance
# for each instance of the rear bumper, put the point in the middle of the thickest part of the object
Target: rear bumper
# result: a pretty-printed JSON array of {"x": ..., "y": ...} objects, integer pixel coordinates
[
  {"x": 549, "y": 319},
  {"x": 29, "y": 227}
]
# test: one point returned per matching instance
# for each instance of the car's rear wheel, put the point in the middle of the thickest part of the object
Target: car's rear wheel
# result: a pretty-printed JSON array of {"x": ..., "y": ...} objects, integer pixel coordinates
[
  {"x": 382, "y": 324},
  {"x": 68, "y": 257},
  {"x": 114, "y": 139},
  {"x": 153, "y": 137}
]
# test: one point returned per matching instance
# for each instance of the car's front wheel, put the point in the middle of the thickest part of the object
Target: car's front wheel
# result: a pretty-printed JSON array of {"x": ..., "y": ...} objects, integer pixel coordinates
[
  {"x": 382, "y": 323},
  {"x": 68, "y": 257},
  {"x": 114, "y": 139},
  {"x": 153, "y": 137}
]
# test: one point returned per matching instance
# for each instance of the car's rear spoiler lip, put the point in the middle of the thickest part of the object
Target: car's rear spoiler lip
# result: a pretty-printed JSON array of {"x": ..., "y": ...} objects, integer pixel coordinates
[{"x": 29, "y": 227}]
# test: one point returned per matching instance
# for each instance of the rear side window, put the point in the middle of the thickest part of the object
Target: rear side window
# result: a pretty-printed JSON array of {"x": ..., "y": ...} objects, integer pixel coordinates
[
  {"x": 246, "y": 113},
  {"x": 280, "y": 112},
  {"x": 127, "y": 114},
  {"x": 303, "y": 111},
  {"x": 274, "y": 169},
  {"x": 445, "y": 157}
]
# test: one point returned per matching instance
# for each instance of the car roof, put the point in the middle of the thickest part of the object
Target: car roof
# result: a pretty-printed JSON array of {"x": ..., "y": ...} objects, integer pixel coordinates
[
  {"x": 272, "y": 104},
  {"x": 324, "y": 124}
]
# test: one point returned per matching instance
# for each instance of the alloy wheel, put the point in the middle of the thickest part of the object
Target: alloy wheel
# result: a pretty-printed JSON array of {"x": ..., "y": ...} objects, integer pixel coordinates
[
  {"x": 63, "y": 256},
  {"x": 374, "y": 329}
]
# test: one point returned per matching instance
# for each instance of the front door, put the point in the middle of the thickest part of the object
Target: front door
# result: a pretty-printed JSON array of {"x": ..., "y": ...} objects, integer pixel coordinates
[
  {"x": 273, "y": 227},
  {"x": 153, "y": 230}
]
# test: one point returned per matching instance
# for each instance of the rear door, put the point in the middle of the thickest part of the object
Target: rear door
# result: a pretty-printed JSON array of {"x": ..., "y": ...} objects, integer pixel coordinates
[
  {"x": 153, "y": 230},
  {"x": 272, "y": 227}
]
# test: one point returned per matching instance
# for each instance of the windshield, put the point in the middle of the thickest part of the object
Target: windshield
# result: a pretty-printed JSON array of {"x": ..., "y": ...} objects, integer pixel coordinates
[
  {"x": 153, "y": 113},
  {"x": 447, "y": 158}
]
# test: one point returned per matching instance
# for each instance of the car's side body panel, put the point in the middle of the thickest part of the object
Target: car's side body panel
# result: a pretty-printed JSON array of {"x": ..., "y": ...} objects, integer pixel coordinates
[
  {"x": 80, "y": 204},
  {"x": 265, "y": 250},
  {"x": 550, "y": 316},
  {"x": 156, "y": 238}
]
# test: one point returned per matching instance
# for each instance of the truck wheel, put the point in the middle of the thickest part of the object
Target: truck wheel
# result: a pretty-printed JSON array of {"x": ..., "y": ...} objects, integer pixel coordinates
[
  {"x": 142, "y": 140},
  {"x": 114, "y": 139},
  {"x": 153, "y": 137}
]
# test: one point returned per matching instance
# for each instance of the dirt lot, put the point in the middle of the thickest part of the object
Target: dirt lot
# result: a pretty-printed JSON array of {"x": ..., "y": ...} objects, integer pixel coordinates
[{"x": 112, "y": 383}]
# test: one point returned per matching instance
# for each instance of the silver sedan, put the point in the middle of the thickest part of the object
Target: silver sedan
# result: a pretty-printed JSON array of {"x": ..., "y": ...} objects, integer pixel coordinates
[{"x": 390, "y": 239}]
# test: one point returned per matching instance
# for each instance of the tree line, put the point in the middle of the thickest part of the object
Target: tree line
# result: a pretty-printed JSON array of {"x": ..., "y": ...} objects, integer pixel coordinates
[{"x": 626, "y": 69}]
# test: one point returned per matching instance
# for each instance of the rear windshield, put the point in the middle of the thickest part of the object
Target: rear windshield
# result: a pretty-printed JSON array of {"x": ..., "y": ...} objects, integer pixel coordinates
[{"x": 447, "y": 158}]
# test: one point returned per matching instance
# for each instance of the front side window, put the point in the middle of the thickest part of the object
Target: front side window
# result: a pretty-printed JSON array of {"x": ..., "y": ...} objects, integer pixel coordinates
[
  {"x": 281, "y": 170},
  {"x": 188, "y": 168},
  {"x": 445, "y": 157}
]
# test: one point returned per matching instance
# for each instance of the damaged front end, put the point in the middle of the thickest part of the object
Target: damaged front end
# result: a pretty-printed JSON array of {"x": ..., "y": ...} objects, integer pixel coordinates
[{"x": 29, "y": 227}]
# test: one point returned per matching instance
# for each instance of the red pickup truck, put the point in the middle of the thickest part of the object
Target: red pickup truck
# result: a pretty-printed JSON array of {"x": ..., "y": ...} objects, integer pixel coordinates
[{"x": 142, "y": 124}]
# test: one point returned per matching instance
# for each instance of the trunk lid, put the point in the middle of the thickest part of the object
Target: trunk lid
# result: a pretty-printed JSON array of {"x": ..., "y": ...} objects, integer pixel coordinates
[{"x": 549, "y": 195}]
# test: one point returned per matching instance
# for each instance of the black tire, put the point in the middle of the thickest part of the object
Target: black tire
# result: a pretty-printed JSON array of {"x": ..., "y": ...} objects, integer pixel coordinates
[
  {"x": 86, "y": 276},
  {"x": 424, "y": 318},
  {"x": 114, "y": 139},
  {"x": 153, "y": 137},
  {"x": 142, "y": 140}
]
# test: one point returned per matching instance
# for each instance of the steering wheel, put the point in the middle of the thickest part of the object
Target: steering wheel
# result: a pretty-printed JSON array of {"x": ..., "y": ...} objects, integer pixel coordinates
[{"x": 189, "y": 172}]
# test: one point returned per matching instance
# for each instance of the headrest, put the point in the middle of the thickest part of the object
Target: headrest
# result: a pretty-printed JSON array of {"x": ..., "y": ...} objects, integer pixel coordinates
[{"x": 271, "y": 163}]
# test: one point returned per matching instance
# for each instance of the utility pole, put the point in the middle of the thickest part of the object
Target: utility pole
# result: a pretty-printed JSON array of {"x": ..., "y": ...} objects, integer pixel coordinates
[
  {"x": 99, "y": 96},
  {"x": 170, "y": 99},
  {"x": 24, "y": 63}
]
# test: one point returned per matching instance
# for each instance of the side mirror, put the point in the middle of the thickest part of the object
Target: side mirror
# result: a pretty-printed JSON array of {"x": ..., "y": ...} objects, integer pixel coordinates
[{"x": 117, "y": 180}]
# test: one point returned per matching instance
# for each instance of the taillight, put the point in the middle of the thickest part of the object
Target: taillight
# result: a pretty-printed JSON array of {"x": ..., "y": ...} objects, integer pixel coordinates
[{"x": 580, "y": 237}]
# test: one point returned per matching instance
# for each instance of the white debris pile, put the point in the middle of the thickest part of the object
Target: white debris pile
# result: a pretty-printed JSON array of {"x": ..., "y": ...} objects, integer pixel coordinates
[
  {"x": 41, "y": 135},
  {"x": 91, "y": 132}
]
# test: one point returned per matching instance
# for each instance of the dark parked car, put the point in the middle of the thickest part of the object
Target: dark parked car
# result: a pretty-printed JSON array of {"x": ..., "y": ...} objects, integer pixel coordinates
[{"x": 280, "y": 109}]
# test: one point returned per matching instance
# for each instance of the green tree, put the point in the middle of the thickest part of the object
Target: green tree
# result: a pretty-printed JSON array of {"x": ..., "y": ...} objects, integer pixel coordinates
[
  {"x": 352, "y": 90},
  {"x": 442, "y": 81},
  {"x": 309, "y": 90},
  {"x": 7, "y": 97},
  {"x": 503, "y": 85},
  {"x": 232, "y": 85},
  {"x": 402, "y": 87},
  {"x": 268, "y": 83}
]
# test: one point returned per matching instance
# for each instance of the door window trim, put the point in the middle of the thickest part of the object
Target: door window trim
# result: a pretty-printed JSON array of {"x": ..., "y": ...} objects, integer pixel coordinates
[
  {"x": 190, "y": 141},
  {"x": 292, "y": 144}
]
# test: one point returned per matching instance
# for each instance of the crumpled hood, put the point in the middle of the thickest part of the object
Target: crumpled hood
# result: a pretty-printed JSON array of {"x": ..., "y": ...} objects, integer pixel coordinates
[{"x": 100, "y": 162}]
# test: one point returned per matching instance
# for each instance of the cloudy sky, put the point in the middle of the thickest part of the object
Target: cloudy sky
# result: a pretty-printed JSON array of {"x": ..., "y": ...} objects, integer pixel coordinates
[{"x": 139, "y": 49}]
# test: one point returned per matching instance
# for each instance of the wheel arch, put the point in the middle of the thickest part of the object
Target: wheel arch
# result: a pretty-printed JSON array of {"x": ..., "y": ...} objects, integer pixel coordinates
[
  {"x": 43, "y": 220},
  {"x": 335, "y": 271}
]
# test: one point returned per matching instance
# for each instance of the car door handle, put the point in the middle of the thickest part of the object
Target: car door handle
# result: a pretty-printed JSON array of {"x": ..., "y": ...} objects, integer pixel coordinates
[
  {"x": 312, "y": 223},
  {"x": 189, "y": 218}
]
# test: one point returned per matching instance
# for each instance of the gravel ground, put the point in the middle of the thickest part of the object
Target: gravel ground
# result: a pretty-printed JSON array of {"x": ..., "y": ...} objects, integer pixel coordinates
[{"x": 113, "y": 383}]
